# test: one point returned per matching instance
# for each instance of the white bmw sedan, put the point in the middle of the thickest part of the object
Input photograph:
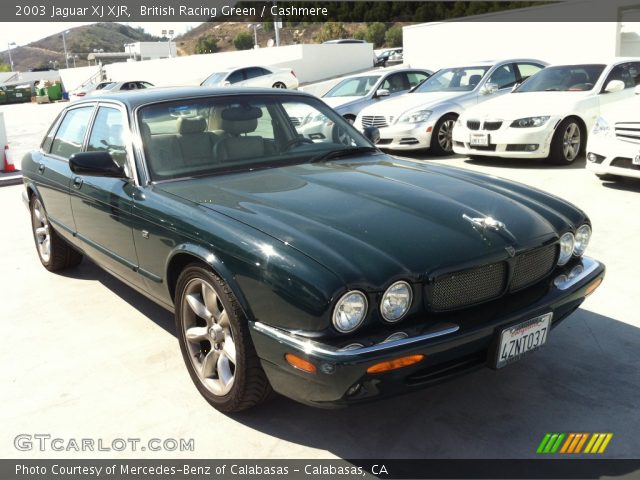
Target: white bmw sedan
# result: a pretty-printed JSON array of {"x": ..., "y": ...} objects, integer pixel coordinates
[
  {"x": 613, "y": 149},
  {"x": 548, "y": 116}
]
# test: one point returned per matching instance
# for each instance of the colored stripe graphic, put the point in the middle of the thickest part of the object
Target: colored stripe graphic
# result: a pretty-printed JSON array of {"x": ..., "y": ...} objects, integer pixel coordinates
[
  {"x": 573, "y": 443},
  {"x": 598, "y": 443}
]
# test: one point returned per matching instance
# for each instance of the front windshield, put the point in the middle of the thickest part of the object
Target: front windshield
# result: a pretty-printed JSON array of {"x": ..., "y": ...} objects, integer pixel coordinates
[
  {"x": 462, "y": 79},
  {"x": 214, "y": 79},
  {"x": 563, "y": 78},
  {"x": 208, "y": 136},
  {"x": 354, "y": 87}
]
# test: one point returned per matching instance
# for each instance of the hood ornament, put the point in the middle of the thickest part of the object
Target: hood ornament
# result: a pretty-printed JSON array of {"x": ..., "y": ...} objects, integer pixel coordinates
[{"x": 485, "y": 223}]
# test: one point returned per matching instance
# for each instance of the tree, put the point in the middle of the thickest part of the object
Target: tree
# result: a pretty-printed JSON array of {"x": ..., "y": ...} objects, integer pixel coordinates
[
  {"x": 360, "y": 33},
  {"x": 375, "y": 33},
  {"x": 208, "y": 44},
  {"x": 5, "y": 67},
  {"x": 331, "y": 31},
  {"x": 243, "y": 41},
  {"x": 393, "y": 37}
]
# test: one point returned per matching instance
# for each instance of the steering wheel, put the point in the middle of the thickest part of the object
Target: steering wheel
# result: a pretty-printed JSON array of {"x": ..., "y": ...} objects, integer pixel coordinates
[{"x": 295, "y": 141}]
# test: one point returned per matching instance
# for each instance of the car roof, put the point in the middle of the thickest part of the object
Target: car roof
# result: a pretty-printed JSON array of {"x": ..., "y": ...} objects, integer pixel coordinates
[
  {"x": 491, "y": 63},
  {"x": 384, "y": 71},
  {"x": 598, "y": 61},
  {"x": 135, "y": 98}
]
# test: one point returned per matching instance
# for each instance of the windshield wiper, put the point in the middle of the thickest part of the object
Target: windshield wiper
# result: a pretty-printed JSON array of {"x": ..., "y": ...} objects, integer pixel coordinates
[{"x": 342, "y": 153}]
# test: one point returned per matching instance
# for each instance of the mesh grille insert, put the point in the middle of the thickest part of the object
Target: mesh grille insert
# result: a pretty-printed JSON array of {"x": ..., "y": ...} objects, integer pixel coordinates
[{"x": 533, "y": 266}]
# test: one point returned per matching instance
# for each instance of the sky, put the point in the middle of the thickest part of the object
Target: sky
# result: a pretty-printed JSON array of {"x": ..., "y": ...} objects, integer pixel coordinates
[{"x": 26, "y": 32}]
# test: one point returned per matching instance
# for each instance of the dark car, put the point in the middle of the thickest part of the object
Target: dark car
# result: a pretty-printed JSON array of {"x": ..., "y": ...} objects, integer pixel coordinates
[{"x": 325, "y": 270}]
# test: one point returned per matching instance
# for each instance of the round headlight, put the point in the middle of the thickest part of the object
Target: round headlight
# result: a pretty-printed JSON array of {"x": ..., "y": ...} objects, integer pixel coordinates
[
  {"x": 583, "y": 234},
  {"x": 350, "y": 311},
  {"x": 396, "y": 301},
  {"x": 567, "y": 243}
]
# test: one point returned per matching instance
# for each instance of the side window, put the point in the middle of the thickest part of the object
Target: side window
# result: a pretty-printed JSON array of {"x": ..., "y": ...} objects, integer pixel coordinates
[
  {"x": 236, "y": 76},
  {"x": 504, "y": 76},
  {"x": 396, "y": 82},
  {"x": 254, "y": 72},
  {"x": 265, "y": 125},
  {"x": 70, "y": 135},
  {"x": 416, "y": 77},
  {"x": 634, "y": 70},
  {"x": 48, "y": 140},
  {"x": 528, "y": 69},
  {"x": 107, "y": 135},
  {"x": 623, "y": 72}
]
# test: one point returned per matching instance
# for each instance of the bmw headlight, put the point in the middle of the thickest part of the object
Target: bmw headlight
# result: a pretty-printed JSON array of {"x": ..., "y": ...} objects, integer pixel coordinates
[
  {"x": 583, "y": 235},
  {"x": 350, "y": 311},
  {"x": 567, "y": 244},
  {"x": 415, "y": 116},
  {"x": 396, "y": 301},
  {"x": 601, "y": 127},
  {"x": 529, "y": 122}
]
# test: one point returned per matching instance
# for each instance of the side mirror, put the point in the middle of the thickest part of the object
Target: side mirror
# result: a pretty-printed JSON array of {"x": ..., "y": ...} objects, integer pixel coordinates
[
  {"x": 372, "y": 133},
  {"x": 489, "y": 88},
  {"x": 382, "y": 92},
  {"x": 615, "y": 86},
  {"x": 226, "y": 83},
  {"x": 515, "y": 86},
  {"x": 95, "y": 164}
]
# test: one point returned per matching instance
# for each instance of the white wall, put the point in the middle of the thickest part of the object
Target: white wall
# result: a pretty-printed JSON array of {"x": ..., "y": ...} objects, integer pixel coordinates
[{"x": 310, "y": 63}]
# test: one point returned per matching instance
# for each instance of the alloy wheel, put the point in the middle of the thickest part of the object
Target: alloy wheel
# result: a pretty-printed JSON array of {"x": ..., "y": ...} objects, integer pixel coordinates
[
  {"x": 445, "y": 135},
  {"x": 571, "y": 142},
  {"x": 41, "y": 231}
]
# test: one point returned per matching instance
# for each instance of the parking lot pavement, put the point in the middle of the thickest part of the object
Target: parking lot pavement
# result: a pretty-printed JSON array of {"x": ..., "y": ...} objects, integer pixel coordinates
[{"x": 86, "y": 357}]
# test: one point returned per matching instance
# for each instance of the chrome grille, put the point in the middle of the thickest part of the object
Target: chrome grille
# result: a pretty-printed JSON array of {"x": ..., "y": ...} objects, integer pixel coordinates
[
  {"x": 296, "y": 121},
  {"x": 628, "y": 131},
  {"x": 532, "y": 266},
  {"x": 374, "y": 121},
  {"x": 468, "y": 287},
  {"x": 492, "y": 125},
  {"x": 473, "y": 124}
]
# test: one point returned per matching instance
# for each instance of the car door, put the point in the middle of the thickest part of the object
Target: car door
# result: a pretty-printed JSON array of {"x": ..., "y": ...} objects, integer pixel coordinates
[
  {"x": 65, "y": 138},
  {"x": 102, "y": 206},
  {"x": 257, "y": 77},
  {"x": 236, "y": 78},
  {"x": 626, "y": 72},
  {"x": 396, "y": 84}
]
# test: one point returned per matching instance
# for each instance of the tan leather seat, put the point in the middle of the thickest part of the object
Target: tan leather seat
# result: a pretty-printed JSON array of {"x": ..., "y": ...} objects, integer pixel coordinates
[
  {"x": 162, "y": 151},
  {"x": 195, "y": 142},
  {"x": 237, "y": 145}
]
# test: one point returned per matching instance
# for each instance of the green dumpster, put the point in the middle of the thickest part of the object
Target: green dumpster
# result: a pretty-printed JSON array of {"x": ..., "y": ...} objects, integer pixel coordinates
[
  {"x": 18, "y": 93},
  {"x": 54, "y": 92},
  {"x": 3, "y": 95}
]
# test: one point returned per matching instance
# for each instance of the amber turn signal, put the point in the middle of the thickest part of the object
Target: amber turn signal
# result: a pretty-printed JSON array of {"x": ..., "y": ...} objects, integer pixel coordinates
[
  {"x": 591, "y": 288},
  {"x": 395, "y": 364},
  {"x": 300, "y": 363}
]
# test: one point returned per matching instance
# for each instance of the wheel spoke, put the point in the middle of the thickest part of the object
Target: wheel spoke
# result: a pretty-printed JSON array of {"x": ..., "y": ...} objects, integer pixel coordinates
[
  {"x": 41, "y": 231},
  {"x": 38, "y": 214},
  {"x": 210, "y": 301},
  {"x": 198, "y": 307},
  {"x": 224, "y": 370},
  {"x": 223, "y": 320},
  {"x": 229, "y": 350},
  {"x": 196, "y": 334},
  {"x": 209, "y": 363}
]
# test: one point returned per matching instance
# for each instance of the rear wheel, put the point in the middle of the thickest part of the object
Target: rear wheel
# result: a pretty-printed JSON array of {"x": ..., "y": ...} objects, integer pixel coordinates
[
  {"x": 442, "y": 135},
  {"x": 54, "y": 253},
  {"x": 568, "y": 142},
  {"x": 215, "y": 342},
  {"x": 279, "y": 85}
]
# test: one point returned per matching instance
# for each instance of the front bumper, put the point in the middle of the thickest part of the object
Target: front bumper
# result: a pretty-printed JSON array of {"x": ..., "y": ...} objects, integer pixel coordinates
[
  {"x": 506, "y": 141},
  {"x": 606, "y": 155},
  {"x": 450, "y": 346},
  {"x": 405, "y": 136}
]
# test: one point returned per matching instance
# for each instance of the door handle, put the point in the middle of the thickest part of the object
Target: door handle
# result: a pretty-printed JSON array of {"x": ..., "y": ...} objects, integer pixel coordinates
[
  {"x": 41, "y": 168},
  {"x": 77, "y": 182}
]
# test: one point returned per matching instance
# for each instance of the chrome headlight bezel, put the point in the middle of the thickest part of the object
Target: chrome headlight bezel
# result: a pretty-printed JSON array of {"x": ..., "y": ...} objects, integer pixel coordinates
[
  {"x": 341, "y": 302},
  {"x": 582, "y": 237},
  {"x": 418, "y": 115},
  {"x": 396, "y": 318},
  {"x": 567, "y": 245},
  {"x": 530, "y": 122}
]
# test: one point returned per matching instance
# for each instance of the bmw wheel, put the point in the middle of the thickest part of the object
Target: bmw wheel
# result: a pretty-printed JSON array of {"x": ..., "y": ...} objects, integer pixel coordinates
[
  {"x": 568, "y": 142},
  {"x": 442, "y": 135}
]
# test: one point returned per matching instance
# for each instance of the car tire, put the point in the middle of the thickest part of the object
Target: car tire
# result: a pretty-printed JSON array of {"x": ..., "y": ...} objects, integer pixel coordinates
[
  {"x": 53, "y": 251},
  {"x": 350, "y": 118},
  {"x": 442, "y": 135},
  {"x": 215, "y": 342},
  {"x": 279, "y": 85},
  {"x": 568, "y": 143}
]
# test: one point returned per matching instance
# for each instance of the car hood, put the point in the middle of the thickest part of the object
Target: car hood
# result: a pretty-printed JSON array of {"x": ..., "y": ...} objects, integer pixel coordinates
[
  {"x": 396, "y": 106},
  {"x": 335, "y": 102},
  {"x": 527, "y": 104},
  {"x": 625, "y": 112},
  {"x": 375, "y": 218}
]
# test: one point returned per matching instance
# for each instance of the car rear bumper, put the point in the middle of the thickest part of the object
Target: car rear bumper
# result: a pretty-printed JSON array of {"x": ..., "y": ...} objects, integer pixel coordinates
[
  {"x": 610, "y": 156},
  {"x": 449, "y": 347}
]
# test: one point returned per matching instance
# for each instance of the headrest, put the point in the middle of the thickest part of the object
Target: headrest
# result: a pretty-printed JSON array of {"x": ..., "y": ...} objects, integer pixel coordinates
[
  {"x": 145, "y": 129},
  {"x": 579, "y": 77},
  {"x": 188, "y": 125},
  {"x": 474, "y": 79},
  {"x": 239, "y": 126},
  {"x": 239, "y": 114}
]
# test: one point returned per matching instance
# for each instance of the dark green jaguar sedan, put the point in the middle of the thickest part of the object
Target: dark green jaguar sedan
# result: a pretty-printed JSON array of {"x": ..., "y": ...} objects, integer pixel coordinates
[{"x": 297, "y": 257}]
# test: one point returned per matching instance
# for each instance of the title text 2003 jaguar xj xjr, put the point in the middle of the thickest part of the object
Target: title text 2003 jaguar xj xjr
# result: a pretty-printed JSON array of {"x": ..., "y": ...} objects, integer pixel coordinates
[{"x": 316, "y": 266}]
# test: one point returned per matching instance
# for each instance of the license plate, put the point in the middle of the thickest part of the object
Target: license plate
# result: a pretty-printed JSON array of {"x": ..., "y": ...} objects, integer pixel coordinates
[
  {"x": 18, "y": 94},
  {"x": 479, "y": 139},
  {"x": 636, "y": 160},
  {"x": 520, "y": 339}
]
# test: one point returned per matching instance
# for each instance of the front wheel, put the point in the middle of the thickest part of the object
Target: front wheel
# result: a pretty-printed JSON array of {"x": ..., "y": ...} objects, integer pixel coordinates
[
  {"x": 215, "y": 342},
  {"x": 442, "y": 135},
  {"x": 568, "y": 142}
]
